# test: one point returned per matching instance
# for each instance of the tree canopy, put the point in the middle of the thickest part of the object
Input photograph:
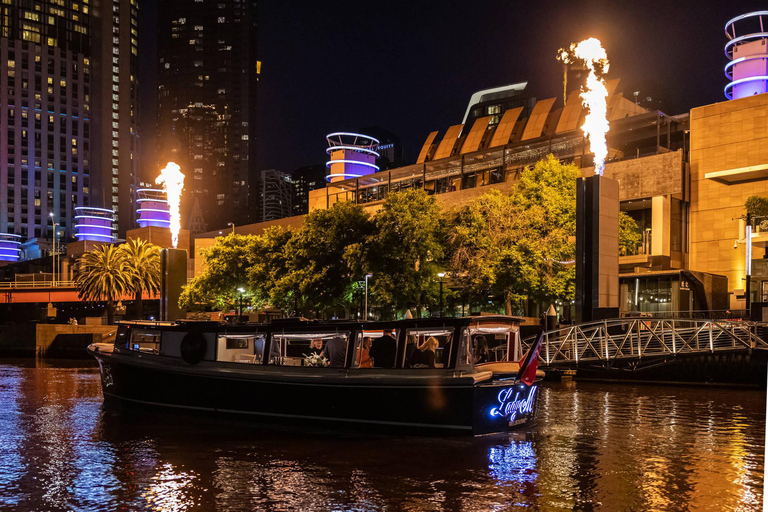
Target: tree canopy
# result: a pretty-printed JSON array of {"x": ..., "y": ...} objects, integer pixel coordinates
[
  {"x": 227, "y": 264},
  {"x": 104, "y": 274},
  {"x": 405, "y": 252}
]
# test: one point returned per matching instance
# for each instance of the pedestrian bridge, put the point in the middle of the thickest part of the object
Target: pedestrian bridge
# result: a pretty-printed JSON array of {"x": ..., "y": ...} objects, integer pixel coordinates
[{"x": 633, "y": 343}]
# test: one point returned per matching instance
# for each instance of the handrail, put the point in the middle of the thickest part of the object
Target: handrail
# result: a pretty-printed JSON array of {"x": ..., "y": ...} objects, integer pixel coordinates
[
  {"x": 636, "y": 338},
  {"x": 20, "y": 285}
]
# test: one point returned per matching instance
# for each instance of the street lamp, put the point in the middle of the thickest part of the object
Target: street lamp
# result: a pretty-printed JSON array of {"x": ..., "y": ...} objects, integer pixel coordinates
[
  {"x": 441, "y": 275},
  {"x": 233, "y": 226},
  {"x": 53, "y": 224},
  {"x": 366, "y": 294},
  {"x": 242, "y": 291}
]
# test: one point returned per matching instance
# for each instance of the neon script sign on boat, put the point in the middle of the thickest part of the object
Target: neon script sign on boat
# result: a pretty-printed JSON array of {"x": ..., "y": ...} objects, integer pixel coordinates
[{"x": 514, "y": 402}]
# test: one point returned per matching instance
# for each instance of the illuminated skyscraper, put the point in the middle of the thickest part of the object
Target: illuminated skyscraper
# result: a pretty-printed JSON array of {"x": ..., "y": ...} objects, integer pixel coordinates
[
  {"x": 68, "y": 117},
  {"x": 207, "y": 103}
]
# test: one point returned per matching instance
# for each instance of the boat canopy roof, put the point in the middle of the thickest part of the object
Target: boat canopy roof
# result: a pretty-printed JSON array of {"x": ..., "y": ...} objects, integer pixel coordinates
[{"x": 485, "y": 324}]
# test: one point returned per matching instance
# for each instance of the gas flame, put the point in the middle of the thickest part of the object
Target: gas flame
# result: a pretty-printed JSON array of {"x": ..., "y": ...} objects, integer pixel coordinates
[
  {"x": 593, "y": 96},
  {"x": 172, "y": 180}
]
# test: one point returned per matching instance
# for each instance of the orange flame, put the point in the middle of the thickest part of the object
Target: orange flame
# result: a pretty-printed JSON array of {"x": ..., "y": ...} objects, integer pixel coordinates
[
  {"x": 594, "y": 95},
  {"x": 172, "y": 180}
]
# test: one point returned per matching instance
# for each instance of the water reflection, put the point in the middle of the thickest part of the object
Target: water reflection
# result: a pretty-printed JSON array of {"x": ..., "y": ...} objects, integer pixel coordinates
[{"x": 618, "y": 446}]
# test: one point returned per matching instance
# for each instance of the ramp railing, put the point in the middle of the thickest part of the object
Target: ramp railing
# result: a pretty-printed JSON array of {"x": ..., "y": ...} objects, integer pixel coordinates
[{"x": 638, "y": 338}]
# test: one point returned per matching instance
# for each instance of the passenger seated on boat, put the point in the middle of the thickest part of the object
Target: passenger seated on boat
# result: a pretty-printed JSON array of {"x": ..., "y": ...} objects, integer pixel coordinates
[
  {"x": 383, "y": 351},
  {"x": 425, "y": 356},
  {"x": 364, "y": 354},
  {"x": 316, "y": 347},
  {"x": 411, "y": 341},
  {"x": 480, "y": 349},
  {"x": 336, "y": 352}
]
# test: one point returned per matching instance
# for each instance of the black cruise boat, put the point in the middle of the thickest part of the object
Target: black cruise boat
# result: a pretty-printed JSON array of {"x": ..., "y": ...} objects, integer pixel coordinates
[{"x": 448, "y": 374}]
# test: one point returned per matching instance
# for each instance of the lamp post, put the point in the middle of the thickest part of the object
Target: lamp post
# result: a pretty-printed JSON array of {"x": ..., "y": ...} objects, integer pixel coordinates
[
  {"x": 366, "y": 294},
  {"x": 748, "y": 238},
  {"x": 240, "y": 314},
  {"x": 441, "y": 275},
  {"x": 233, "y": 226},
  {"x": 53, "y": 258}
]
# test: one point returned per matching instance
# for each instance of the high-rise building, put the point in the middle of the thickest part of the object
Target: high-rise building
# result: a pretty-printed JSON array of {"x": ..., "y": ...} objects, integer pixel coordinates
[
  {"x": 276, "y": 192},
  {"x": 207, "y": 103},
  {"x": 304, "y": 179},
  {"x": 65, "y": 138}
]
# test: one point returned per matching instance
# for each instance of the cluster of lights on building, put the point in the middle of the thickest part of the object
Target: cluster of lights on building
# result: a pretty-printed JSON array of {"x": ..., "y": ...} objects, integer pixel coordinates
[{"x": 352, "y": 155}]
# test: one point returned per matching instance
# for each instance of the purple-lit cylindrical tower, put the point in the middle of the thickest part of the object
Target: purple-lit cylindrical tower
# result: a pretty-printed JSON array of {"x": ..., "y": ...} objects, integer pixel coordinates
[
  {"x": 94, "y": 224},
  {"x": 153, "y": 208},
  {"x": 748, "y": 54},
  {"x": 352, "y": 155},
  {"x": 10, "y": 247}
]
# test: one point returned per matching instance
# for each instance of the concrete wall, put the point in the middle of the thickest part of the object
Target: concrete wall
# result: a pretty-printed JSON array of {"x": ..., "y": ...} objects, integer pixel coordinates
[
  {"x": 650, "y": 176},
  {"x": 46, "y": 333},
  {"x": 725, "y": 136}
]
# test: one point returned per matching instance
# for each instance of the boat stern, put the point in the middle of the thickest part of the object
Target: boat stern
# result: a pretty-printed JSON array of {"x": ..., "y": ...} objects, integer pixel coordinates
[{"x": 500, "y": 406}]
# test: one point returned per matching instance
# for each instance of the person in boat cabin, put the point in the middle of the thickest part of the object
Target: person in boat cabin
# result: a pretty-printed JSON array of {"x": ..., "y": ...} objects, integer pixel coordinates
[
  {"x": 480, "y": 349},
  {"x": 410, "y": 347},
  {"x": 425, "y": 357},
  {"x": 336, "y": 352},
  {"x": 364, "y": 354},
  {"x": 383, "y": 351},
  {"x": 316, "y": 346}
]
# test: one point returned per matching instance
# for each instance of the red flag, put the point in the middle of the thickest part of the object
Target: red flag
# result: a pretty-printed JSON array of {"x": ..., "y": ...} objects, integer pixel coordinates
[{"x": 530, "y": 362}]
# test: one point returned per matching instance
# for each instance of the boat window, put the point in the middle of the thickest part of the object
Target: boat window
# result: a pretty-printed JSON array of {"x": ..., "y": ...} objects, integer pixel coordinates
[
  {"x": 375, "y": 349},
  {"x": 241, "y": 348},
  {"x": 145, "y": 341},
  {"x": 494, "y": 342},
  {"x": 427, "y": 348},
  {"x": 123, "y": 336},
  {"x": 324, "y": 349}
]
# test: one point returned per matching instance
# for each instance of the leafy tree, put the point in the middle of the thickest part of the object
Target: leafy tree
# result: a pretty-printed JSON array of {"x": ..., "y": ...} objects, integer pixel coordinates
[
  {"x": 629, "y": 234},
  {"x": 143, "y": 259},
  {"x": 268, "y": 266},
  {"x": 318, "y": 277},
  {"x": 757, "y": 206},
  {"x": 486, "y": 256},
  {"x": 227, "y": 264},
  {"x": 405, "y": 251},
  {"x": 546, "y": 198},
  {"x": 522, "y": 245},
  {"x": 104, "y": 275}
]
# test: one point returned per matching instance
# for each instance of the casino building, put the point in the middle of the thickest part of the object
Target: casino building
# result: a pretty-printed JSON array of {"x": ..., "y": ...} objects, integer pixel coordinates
[{"x": 684, "y": 178}]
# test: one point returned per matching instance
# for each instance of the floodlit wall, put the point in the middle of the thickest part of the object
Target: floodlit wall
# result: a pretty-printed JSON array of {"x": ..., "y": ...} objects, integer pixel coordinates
[{"x": 727, "y": 139}]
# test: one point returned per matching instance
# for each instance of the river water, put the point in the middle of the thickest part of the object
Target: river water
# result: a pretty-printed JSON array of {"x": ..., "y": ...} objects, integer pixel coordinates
[{"x": 595, "y": 446}]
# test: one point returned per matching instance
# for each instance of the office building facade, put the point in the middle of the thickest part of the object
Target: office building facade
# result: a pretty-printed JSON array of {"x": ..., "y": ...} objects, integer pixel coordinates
[
  {"x": 207, "y": 104},
  {"x": 60, "y": 76}
]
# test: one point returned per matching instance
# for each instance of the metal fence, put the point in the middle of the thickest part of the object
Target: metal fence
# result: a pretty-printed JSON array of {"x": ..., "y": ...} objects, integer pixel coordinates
[{"x": 630, "y": 339}]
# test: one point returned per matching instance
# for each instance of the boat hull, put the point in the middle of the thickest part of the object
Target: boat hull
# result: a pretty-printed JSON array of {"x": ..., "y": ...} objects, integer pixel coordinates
[{"x": 436, "y": 402}]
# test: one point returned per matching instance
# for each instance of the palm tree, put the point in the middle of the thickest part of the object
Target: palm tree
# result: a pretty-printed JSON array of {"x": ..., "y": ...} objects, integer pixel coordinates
[
  {"x": 104, "y": 275},
  {"x": 144, "y": 262}
]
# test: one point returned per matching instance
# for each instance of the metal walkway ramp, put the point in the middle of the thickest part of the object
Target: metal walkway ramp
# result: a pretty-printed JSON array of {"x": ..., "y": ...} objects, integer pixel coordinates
[{"x": 634, "y": 342}]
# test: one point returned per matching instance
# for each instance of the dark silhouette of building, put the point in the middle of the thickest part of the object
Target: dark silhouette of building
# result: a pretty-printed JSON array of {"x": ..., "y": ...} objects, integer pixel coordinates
[
  {"x": 390, "y": 150},
  {"x": 276, "y": 193},
  {"x": 207, "y": 103},
  {"x": 304, "y": 179},
  {"x": 68, "y": 125}
]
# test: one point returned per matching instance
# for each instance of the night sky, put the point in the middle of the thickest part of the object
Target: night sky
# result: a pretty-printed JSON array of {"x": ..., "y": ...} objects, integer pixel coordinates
[{"x": 411, "y": 66}]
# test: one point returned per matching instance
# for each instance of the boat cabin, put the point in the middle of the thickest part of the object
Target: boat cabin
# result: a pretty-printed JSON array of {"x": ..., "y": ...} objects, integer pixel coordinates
[{"x": 456, "y": 344}]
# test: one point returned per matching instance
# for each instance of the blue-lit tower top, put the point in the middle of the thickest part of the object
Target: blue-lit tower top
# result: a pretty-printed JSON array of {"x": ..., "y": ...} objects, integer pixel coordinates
[
  {"x": 351, "y": 155},
  {"x": 748, "y": 54},
  {"x": 153, "y": 210},
  {"x": 10, "y": 247},
  {"x": 94, "y": 224}
]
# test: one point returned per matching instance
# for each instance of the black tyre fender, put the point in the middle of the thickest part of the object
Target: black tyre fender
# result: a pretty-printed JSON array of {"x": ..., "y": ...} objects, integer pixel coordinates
[{"x": 193, "y": 347}]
